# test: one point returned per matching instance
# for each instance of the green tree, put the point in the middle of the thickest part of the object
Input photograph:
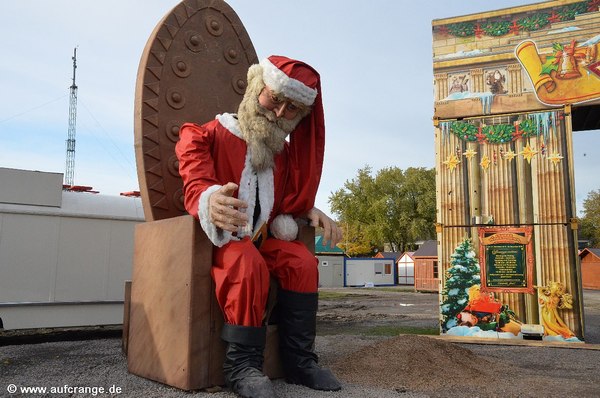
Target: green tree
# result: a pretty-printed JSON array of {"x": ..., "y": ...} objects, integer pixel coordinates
[
  {"x": 395, "y": 206},
  {"x": 356, "y": 242},
  {"x": 590, "y": 222},
  {"x": 461, "y": 276},
  {"x": 352, "y": 205}
]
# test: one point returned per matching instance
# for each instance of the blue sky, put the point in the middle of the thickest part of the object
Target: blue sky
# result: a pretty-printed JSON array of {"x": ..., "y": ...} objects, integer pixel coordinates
[{"x": 374, "y": 59}]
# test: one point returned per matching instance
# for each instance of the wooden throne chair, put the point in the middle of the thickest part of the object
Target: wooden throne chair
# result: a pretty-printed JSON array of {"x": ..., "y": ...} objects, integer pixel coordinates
[{"x": 193, "y": 67}]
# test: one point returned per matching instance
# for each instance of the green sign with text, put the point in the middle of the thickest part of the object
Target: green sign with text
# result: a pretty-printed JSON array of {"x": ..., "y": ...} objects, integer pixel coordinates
[{"x": 505, "y": 265}]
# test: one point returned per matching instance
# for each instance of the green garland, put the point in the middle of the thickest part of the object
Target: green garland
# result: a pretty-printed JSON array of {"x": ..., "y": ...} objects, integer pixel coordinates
[
  {"x": 463, "y": 130},
  {"x": 569, "y": 12},
  {"x": 499, "y": 28},
  {"x": 463, "y": 29},
  {"x": 494, "y": 134},
  {"x": 499, "y": 133},
  {"x": 529, "y": 128},
  {"x": 534, "y": 22},
  {"x": 529, "y": 23}
]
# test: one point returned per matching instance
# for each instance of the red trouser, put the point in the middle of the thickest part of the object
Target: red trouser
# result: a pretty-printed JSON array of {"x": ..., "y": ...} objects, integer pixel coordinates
[{"x": 242, "y": 276}]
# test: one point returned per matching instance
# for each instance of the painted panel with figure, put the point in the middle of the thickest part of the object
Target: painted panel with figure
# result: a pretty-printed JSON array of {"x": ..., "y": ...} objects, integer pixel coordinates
[{"x": 507, "y": 226}]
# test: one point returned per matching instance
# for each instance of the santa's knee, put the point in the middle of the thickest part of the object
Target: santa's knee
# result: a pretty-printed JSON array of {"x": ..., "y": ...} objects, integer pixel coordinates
[
  {"x": 302, "y": 272},
  {"x": 241, "y": 283},
  {"x": 245, "y": 266}
]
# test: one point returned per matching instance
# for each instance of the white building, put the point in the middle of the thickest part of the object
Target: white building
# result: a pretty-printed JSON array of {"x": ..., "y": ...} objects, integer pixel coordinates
[
  {"x": 64, "y": 256},
  {"x": 331, "y": 264},
  {"x": 406, "y": 269},
  {"x": 369, "y": 271}
]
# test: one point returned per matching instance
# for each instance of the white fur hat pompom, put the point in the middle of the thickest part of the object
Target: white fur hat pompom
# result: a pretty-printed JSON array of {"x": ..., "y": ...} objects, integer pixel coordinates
[{"x": 284, "y": 227}]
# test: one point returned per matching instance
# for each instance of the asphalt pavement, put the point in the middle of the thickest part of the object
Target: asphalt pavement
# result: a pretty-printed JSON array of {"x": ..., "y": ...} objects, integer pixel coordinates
[{"x": 93, "y": 365}]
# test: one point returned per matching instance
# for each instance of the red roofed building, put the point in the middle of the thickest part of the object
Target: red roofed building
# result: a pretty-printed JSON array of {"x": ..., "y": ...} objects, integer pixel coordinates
[
  {"x": 427, "y": 276},
  {"x": 590, "y": 268}
]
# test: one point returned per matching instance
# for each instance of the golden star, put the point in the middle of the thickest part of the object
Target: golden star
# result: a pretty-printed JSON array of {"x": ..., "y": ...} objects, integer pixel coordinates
[
  {"x": 469, "y": 153},
  {"x": 555, "y": 158},
  {"x": 452, "y": 162},
  {"x": 509, "y": 155},
  {"x": 528, "y": 153},
  {"x": 485, "y": 162}
]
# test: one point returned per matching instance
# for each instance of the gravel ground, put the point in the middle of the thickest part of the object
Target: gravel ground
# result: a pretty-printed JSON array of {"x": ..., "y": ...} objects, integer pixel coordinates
[{"x": 368, "y": 366}]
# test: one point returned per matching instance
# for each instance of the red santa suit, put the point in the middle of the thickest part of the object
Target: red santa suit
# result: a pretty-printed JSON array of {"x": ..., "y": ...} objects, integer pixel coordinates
[{"x": 214, "y": 154}]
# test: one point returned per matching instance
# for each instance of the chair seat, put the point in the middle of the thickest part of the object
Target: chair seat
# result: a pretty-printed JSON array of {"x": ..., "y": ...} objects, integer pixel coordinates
[{"x": 175, "y": 322}]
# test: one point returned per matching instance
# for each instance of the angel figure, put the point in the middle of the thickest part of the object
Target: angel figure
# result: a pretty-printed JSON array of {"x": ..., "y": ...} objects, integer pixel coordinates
[{"x": 552, "y": 297}]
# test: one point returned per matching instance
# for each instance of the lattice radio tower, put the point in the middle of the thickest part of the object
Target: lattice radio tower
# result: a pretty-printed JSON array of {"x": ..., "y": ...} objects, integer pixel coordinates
[{"x": 70, "y": 168}]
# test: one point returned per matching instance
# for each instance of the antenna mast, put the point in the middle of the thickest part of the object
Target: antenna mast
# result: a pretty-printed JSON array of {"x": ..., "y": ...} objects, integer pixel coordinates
[{"x": 70, "y": 167}]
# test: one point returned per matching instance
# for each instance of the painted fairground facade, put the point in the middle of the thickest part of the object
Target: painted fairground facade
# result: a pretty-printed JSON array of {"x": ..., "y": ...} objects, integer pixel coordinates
[{"x": 511, "y": 86}]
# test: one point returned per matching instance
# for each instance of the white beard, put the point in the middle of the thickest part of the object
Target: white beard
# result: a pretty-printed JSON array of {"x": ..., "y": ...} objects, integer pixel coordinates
[{"x": 262, "y": 130}]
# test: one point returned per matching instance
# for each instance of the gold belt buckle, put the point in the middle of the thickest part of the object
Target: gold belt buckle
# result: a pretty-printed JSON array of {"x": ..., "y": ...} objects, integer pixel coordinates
[{"x": 260, "y": 236}]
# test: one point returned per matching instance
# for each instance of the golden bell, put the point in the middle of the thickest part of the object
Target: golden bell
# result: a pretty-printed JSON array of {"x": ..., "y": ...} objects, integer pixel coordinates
[{"x": 568, "y": 67}]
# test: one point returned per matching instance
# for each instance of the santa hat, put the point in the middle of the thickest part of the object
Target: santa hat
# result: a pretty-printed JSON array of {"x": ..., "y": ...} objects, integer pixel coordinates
[
  {"x": 299, "y": 82},
  {"x": 294, "y": 80}
]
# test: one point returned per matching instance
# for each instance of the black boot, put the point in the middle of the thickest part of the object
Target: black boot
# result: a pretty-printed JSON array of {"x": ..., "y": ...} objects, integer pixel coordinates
[
  {"x": 297, "y": 328},
  {"x": 244, "y": 361}
]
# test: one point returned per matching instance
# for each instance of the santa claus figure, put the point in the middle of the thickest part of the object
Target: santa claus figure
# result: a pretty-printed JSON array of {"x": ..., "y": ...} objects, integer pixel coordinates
[{"x": 247, "y": 177}]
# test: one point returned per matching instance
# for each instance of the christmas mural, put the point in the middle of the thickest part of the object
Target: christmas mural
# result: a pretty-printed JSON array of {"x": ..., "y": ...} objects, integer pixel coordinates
[
  {"x": 461, "y": 277},
  {"x": 553, "y": 297},
  {"x": 506, "y": 83},
  {"x": 496, "y": 80},
  {"x": 497, "y": 139},
  {"x": 459, "y": 84},
  {"x": 569, "y": 74},
  {"x": 466, "y": 311},
  {"x": 547, "y": 53}
]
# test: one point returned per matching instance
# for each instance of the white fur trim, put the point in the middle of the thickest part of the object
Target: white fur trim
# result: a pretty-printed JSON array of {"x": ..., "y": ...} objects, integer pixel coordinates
[
  {"x": 216, "y": 235},
  {"x": 289, "y": 87},
  {"x": 284, "y": 227},
  {"x": 247, "y": 192},
  {"x": 249, "y": 179},
  {"x": 230, "y": 122},
  {"x": 266, "y": 192}
]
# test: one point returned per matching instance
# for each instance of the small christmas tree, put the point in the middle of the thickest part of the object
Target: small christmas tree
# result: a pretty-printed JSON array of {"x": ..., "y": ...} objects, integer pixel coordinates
[{"x": 462, "y": 275}]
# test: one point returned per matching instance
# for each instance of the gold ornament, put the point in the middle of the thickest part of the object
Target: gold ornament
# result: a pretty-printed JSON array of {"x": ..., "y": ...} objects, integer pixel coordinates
[
  {"x": 528, "y": 153},
  {"x": 451, "y": 162},
  {"x": 551, "y": 298},
  {"x": 469, "y": 153},
  {"x": 555, "y": 158},
  {"x": 509, "y": 155},
  {"x": 485, "y": 162}
]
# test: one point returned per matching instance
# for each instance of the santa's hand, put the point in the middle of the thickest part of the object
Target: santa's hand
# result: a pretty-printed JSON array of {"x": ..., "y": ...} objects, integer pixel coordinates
[
  {"x": 331, "y": 232},
  {"x": 224, "y": 209}
]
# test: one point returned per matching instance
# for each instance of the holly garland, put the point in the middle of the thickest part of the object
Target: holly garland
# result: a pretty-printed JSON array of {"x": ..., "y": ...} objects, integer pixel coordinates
[
  {"x": 494, "y": 134},
  {"x": 465, "y": 131},
  {"x": 499, "y": 133},
  {"x": 462, "y": 29},
  {"x": 529, "y": 23},
  {"x": 534, "y": 22},
  {"x": 502, "y": 133},
  {"x": 499, "y": 28},
  {"x": 529, "y": 128},
  {"x": 568, "y": 13}
]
